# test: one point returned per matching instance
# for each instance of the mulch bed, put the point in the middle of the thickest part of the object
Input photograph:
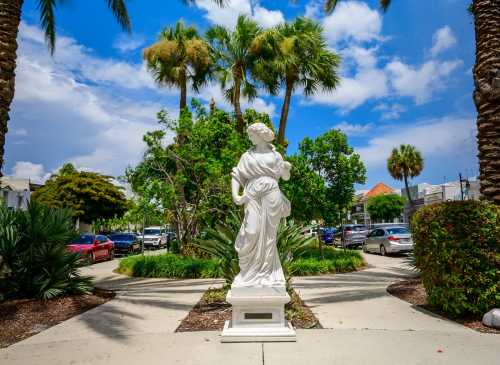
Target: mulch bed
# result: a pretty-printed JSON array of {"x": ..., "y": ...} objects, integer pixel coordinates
[
  {"x": 23, "y": 318},
  {"x": 413, "y": 291},
  {"x": 210, "y": 313}
]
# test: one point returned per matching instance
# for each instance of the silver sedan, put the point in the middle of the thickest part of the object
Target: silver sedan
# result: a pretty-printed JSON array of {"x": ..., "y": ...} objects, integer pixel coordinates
[{"x": 389, "y": 240}]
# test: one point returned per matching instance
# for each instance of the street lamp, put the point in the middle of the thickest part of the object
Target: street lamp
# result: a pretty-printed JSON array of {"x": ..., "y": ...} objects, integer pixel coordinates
[{"x": 467, "y": 185}]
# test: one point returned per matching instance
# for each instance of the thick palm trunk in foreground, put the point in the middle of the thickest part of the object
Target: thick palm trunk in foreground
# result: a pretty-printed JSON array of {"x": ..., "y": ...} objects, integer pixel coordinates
[
  {"x": 284, "y": 113},
  {"x": 487, "y": 95},
  {"x": 10, "y": 17}
]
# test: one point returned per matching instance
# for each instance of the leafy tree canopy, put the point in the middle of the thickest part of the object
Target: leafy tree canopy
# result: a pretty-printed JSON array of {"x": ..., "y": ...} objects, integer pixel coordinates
[
  {"x": 385, "y": 207},
  {"x": 91, "y": 196}
]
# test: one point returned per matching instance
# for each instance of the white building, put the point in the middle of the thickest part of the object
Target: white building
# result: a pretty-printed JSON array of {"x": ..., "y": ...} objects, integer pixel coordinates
[{"x": 16, "y": 193}]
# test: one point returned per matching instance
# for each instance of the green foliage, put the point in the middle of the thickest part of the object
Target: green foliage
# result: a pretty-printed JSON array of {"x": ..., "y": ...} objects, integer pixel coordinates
[
  {"x": 405, "y": 162},
  {"x": 385, "y": 207},
  {"x": 33, "y": 248},
  {"x": 334, "y": 261},
  {"x": 457, "y": 250},
  {"x": 169, "y": 266},
  {"x": 89, "y": 195}
]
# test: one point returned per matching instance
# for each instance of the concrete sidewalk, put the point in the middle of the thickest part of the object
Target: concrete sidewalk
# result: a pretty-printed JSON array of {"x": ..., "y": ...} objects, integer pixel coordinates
[{"x": 364, "y": 325}]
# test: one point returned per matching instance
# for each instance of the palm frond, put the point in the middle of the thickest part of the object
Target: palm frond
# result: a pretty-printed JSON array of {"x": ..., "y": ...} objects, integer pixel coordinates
[
  {"x": 119, "y": 10},
  {"x": 48, "y": 22}
]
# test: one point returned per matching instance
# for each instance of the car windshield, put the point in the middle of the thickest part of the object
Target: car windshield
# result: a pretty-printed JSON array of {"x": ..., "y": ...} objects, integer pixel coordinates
[
  {"x": 83, "y": 239},
  {"x": 355, "y": 228},
  {"x": 121, "y": 237},
  {"x": 398, "y": 230},
  {"x": 152, "y": 231}
]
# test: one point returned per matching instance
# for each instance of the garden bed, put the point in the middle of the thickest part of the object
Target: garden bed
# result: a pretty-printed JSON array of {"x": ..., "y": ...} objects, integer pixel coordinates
[
  {"x": 23, "y": 318},
  {"x": 210, "y": 313},
  {"x": 413, "y": 291}
]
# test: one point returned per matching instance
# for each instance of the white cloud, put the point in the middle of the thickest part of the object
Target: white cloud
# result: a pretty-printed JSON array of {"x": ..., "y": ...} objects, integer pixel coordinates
[
  {"x": 368, "y": 82},
  {"x": 352, "y": 129},
  {"x": 442, "y": 40},
  {"x": 420, "y": 82},
  {"x": 29, "y": 170},
  {"x": 312, "y": 9},
  {"x": 352, "y": 21},
  {"x": 55, "y": 91},
  {"x": 439, "y": 140},
  {"x": 20, "y": 132},
  {"x": 228, "y": 15},
  {"x": 126, "y": 43},
  {"x": 390, "y": 111}
]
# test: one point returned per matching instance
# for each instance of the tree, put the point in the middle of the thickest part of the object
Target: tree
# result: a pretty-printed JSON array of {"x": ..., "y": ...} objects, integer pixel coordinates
[
  {"x": 301, "y": 59},
  {"x": 191, "y": 180},
  {"x": 235, "y": 61},
  {"x": 385, "y": 207},
  {"x": 403, "y": 163},
  {"x": 90, "y": 196},
  {"x": 331, "y": 4},
  {"x": 331, "y": 157},
  {"x": 179, "y": 58},
  {"x": 10, "y": 18}
]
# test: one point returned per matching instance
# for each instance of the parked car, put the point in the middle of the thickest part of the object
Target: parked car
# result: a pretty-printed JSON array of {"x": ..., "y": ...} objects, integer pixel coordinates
[
  {"x": 352, "y": 235},
  {"x": 126, "y": 243},
  {"x": 389, "y": 240},
  {"x": 154, "y": 237},
  {"x": 327, "y": 234},
  {"x": 93, "y": 247}
]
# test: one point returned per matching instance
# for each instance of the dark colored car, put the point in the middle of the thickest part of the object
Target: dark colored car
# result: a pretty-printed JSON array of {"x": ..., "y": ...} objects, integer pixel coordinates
[
  {"x": 94, "y": 247},
  {"x": 126, "y": 243},
  {"x": 327, "y": 234}
]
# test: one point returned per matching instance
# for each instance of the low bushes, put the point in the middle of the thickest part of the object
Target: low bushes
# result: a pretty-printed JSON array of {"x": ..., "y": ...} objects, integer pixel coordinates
[
  {"x": 169, "y": 266},
  {"x": 457, "y": 249},
  {"x": 334, "y": 261}
]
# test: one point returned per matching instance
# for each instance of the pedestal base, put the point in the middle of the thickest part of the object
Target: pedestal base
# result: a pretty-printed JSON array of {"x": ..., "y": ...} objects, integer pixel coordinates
[{"x": 258, "y": 316}]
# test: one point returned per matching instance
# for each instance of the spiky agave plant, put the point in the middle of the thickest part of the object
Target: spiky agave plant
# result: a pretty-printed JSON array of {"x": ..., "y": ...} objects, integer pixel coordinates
[{"x": 219, "y": 243}]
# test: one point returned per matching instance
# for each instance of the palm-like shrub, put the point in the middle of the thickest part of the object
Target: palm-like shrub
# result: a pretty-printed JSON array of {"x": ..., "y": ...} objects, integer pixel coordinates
[
  {"x": 219, "y": 243},
  {"x": 35, "y": 259}
]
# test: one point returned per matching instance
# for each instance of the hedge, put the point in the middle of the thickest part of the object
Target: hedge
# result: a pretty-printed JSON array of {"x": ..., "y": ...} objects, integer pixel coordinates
[{"x": 457, "y": 250}]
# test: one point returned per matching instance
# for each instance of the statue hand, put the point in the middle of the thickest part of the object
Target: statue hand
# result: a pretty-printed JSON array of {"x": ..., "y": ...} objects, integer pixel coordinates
[{"x": 240, "y": 199}]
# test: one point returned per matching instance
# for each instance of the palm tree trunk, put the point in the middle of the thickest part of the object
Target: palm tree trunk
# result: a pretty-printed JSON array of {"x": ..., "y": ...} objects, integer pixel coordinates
[
  {"x": 183, "y": 87},
  {"x": 284, "y": 112},
  {"x": 487, "y": 95},
  {"x": 408, "y": 190},
  {"x": 10, "y": 17},
  {"x": 236, "y": 102}
]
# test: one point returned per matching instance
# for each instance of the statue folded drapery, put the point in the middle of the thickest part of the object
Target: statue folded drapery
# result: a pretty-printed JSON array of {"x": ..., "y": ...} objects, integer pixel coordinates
[{"x": 258, "y": 172}]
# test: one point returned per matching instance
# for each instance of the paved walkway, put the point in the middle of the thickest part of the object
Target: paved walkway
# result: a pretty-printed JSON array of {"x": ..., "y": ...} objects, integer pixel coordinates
[{"x": 364, "y": 325}]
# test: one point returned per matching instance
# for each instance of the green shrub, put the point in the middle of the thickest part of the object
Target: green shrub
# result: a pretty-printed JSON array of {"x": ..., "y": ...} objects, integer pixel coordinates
[
  {"x": 333, "y": 261},
  {"x": 169, "y": 266},
  {"x": 457, "y": 250},
  {"x": 35, "y": 262}
]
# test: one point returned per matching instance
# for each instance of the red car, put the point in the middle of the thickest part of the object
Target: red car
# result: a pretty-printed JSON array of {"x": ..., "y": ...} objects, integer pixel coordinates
[{"x": 93, "y": 247}]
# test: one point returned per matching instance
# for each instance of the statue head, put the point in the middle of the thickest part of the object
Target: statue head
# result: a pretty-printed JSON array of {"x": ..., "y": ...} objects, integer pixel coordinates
[{"x": 260, "y": 133}]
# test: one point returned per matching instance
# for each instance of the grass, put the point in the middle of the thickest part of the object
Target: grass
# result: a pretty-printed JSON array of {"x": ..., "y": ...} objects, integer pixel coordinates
[
  {"x": 176, "y": 266},
  {"x": 169, "y": 266},
  {"x": 333, "y": 261}
]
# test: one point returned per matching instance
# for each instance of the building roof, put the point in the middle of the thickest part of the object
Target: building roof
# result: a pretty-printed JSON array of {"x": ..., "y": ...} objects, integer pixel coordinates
[
  {"x": 378, "y": 189},
  {"x": 14, "y": 184}
]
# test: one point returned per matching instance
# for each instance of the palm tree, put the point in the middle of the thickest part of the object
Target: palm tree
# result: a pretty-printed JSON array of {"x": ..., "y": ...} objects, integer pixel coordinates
[
  {"x": 179, "y": 58},
  {"x": 10, "y": 18},
  {"x": 301, "y": 59},
  {"x": 235, "y": 61},
  {"x": 403, "y": 163},
  {"x": 331, "y": 4}
]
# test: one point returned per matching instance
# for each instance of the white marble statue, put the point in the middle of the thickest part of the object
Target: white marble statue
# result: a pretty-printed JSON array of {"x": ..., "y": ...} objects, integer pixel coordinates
[{"x": 258, "y": 173}]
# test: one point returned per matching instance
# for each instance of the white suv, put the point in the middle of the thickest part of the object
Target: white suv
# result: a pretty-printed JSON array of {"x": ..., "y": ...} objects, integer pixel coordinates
[{"x": 154, "y": 237}]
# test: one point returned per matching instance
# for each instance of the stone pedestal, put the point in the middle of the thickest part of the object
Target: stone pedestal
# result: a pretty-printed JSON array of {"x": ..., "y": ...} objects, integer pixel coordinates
[{"x": 258, "y": 316}]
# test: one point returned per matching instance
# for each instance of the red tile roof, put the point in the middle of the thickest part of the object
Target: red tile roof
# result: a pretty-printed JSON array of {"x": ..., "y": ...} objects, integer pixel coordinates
[{"x": 378, "y": 189}]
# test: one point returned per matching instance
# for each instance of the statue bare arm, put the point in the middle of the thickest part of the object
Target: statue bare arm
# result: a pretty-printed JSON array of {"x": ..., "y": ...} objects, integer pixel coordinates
[{"x": 235, "y": 192}]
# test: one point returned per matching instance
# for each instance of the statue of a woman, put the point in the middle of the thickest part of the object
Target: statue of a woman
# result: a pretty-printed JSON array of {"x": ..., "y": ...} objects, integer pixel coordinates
[{"x": 258, "y": 172}]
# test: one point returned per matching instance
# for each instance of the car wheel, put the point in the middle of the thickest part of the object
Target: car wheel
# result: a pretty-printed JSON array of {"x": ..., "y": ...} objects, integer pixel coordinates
[
  {"x": 111, "y": 255},
  {"x": 365, "y": 250},
  {"x": 383, "y": 252},
  {"x": 90, "y": 258}
]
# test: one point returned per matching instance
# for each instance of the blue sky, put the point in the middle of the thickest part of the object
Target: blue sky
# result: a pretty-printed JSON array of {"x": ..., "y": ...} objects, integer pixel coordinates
[{"x": 406, "y": 78}]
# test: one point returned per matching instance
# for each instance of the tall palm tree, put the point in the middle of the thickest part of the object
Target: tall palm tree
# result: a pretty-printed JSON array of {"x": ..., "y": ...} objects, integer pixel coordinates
[
  {"x": 179, "y": 58},
  {"x": 403, "y": 163},
  {"x": 301, "y": 59},
  {"x": 10, "y": 18},
  {"x": 235, "y": 61},
  {"x": 487, "y": 94},
  {"x": 331, "y": 4}
]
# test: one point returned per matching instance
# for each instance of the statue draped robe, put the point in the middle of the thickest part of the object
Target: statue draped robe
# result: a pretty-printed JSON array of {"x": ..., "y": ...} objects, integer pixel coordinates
[{"x": 256, "y": 241}]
